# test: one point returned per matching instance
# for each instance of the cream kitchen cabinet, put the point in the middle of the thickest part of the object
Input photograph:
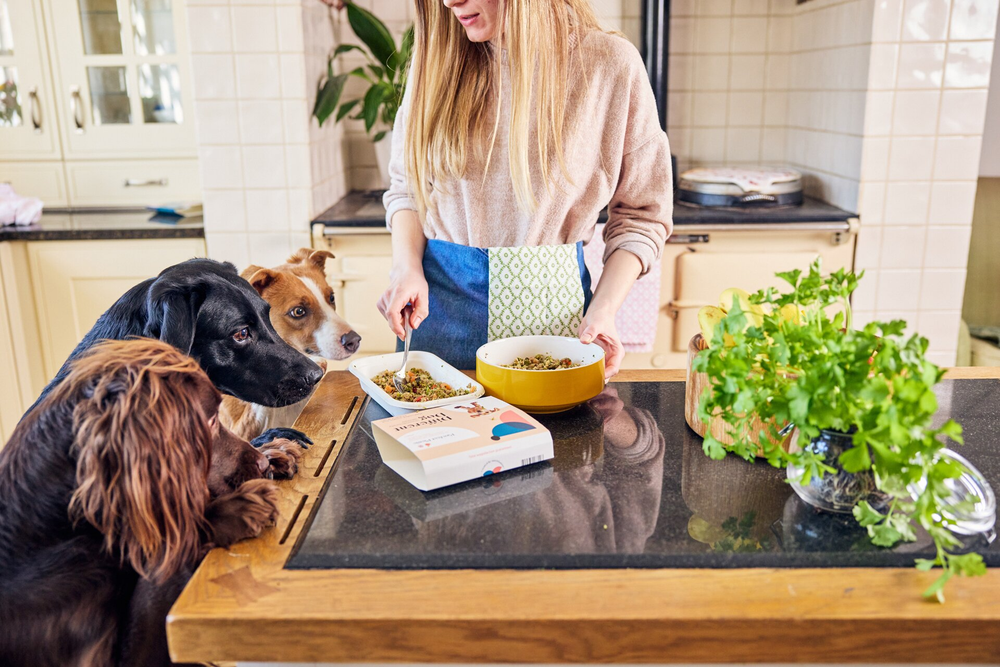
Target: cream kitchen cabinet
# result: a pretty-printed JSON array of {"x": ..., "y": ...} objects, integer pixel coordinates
[
  {"x": 698, "y": 263},
  {"x": 73, "y": 282},
  {"x": 22, "y": 375},
  {"x": 123, "y": 76},
  {"x": 359, "y": 274},
  {"x": 96, "y": 102}
]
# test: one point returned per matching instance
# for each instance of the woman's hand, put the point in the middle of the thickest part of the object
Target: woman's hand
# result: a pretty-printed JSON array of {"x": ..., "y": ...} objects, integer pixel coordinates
[
  {"x": 407, "y": 285},
  {"x": 598, "y": 326}
]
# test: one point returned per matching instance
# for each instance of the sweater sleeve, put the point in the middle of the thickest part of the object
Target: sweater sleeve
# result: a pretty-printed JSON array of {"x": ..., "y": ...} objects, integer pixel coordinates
[
  {"x": 641, "y": 208},
  {"x": 399, "y": 196}
]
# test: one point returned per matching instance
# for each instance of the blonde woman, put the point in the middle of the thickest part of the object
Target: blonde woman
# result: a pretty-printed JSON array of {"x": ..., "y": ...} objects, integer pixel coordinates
[{"x": 522, "y": 119}]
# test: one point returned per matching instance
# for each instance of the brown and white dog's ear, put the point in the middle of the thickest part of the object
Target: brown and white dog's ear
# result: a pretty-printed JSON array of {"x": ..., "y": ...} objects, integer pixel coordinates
[
  {"x": 310, "y": 256},
  {"x": 260, "y": 278}
]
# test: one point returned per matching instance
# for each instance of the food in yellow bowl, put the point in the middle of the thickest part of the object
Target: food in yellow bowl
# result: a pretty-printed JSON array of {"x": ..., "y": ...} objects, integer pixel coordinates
[{"x": 541, "y": 391}]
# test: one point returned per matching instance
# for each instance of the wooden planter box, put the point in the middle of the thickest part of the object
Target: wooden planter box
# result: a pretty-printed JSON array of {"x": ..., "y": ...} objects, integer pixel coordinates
[{"x": 693, "y": 389}]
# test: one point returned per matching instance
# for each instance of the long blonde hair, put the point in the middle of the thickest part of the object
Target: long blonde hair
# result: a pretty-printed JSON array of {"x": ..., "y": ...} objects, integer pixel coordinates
[{"x": 453, "y": 79}]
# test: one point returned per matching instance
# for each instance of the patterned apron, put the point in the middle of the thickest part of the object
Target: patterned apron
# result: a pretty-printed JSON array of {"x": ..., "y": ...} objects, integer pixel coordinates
[{"x": 482, "y": 294}]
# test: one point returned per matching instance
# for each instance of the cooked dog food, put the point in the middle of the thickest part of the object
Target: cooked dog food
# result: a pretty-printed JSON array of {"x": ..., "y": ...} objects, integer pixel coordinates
[
  {"x": 541, "y": 362},
  {"x": 419, "y": 387}
]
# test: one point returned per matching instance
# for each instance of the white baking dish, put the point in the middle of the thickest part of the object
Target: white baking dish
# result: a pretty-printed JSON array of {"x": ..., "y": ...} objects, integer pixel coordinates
[{"x": 367, "y": 368}]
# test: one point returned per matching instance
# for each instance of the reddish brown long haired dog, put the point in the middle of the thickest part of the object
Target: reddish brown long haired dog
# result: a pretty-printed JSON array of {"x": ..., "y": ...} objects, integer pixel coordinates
[{"x": 105, "y": 507}]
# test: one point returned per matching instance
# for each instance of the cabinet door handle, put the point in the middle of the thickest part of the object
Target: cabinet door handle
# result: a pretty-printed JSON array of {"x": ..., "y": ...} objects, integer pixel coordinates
[
  {"x": 76, "y": 108},
  {"x": 36, "y": 111},
  {"x": 134, "y": 183}
]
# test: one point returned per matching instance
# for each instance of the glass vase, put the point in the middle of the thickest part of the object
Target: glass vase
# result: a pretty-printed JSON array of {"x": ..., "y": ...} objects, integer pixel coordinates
[{"x": 838, "y": 491}]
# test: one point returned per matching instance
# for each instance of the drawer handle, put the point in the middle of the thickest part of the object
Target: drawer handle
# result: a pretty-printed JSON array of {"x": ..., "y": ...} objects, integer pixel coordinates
[
  {"x": 133, "y": 183},
  {"x": 36, "y": 111},
  {"x": 76, "y": 108}
]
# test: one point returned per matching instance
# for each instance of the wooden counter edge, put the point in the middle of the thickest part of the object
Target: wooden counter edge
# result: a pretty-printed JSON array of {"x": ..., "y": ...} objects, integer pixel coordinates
[{"x": 241, "y": 604}]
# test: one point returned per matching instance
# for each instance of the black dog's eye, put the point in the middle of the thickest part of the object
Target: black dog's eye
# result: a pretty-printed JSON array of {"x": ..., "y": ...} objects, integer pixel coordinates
[
  {"x": 297, "y": 312},
  {"x": 241, "y": 335},
  {"x": 333, "y": 299}
]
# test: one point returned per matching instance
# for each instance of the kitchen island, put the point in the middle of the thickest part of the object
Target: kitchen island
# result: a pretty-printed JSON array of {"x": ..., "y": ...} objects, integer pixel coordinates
[{"x": 630, "y": 546}]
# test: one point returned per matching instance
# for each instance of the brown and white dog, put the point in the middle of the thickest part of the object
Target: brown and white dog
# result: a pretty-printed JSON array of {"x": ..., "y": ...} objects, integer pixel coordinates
[{"x": 304, "y": 313}]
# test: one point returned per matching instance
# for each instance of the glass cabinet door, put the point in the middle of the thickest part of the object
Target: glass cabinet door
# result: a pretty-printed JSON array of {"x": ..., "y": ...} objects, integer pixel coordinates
[
  {"x": 27, "y": 116},
  {"x": 126, "y": 83}
]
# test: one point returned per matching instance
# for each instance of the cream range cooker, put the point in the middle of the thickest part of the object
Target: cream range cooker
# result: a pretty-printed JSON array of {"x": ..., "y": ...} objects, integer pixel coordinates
[{"x": 710, "y": 250}]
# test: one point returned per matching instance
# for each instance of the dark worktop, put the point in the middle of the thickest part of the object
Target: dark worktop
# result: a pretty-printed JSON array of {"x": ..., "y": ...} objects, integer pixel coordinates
[
  {"x": 111, "y": 224},
  {"x": 629, "y": 487},
  {"x": 364, "y": 209}
]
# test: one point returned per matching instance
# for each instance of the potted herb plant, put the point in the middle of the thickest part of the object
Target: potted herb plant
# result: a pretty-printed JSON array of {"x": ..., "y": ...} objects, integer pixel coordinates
[
  {"x": 385, "y": 76},
  {"x": 861, "y": 400}
]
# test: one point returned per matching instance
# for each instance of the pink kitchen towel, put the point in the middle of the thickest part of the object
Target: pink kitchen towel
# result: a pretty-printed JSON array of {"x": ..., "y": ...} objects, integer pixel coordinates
[
  {"x": 18, "y": 210},
  {"x": 636, "y": 320}
]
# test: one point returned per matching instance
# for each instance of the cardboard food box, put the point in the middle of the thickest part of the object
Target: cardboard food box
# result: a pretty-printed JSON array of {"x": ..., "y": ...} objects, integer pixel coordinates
[{"x": 455, "y": 443}]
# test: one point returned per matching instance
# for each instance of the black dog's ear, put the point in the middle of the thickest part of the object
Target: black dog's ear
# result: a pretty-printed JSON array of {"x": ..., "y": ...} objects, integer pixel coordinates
[{"x": 179, "y": 317}]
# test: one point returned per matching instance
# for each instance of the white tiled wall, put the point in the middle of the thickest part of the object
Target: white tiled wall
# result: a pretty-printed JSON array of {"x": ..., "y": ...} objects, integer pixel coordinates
[
  {"x": 358, "y": 152},
  {"x": 880, "y": 103},
  {"x": 265, "y": 169},
  {"x": 769, "y": 81},
  {"x": 924, "y": 116}
]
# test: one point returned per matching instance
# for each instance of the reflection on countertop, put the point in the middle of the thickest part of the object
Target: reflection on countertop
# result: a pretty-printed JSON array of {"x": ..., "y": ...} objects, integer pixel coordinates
[
  {"x": 629, "y": 487},
  {"x": 62, "y": 225}
]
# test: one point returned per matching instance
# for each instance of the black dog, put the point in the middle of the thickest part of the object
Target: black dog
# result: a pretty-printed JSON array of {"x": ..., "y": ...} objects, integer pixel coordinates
[{"x": 205, "y": 309}]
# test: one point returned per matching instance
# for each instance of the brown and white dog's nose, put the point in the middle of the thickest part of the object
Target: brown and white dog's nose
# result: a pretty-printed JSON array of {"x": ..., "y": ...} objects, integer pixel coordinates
[{"x": 351, "y": 341}]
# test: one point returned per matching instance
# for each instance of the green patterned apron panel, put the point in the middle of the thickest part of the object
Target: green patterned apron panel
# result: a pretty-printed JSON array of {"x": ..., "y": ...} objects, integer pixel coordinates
[{"x": 535, "y": 291}]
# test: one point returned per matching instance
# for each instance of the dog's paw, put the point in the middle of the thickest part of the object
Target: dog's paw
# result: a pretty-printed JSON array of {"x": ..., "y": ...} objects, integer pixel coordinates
[
  {"x": 271, "y": 434},
  {"x": 244, "y": 513},
  {"x": 284, "y": 456}
]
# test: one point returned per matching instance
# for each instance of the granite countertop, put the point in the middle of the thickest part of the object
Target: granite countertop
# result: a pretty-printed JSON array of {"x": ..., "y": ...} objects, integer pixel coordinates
[
  {"x": 364, "y": 209},
  {"x": 629, "y": 487},
  {"x": 57, "y": 225}
]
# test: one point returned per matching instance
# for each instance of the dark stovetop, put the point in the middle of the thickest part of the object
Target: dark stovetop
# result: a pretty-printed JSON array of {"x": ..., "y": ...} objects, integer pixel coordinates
[
  {"x": 364, "y": 209},
  {"x": 111, "y": 224},
  {"x": 631, "y": 488}
]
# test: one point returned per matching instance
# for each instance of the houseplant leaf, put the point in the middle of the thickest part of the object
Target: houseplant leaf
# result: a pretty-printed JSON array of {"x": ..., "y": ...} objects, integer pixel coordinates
[
  {"x": 370, "y": 105},
  {"x": 373, "y": 33},
  {"x": 345, "y": 109},
  {"x": 328, "y": 97},
  {"x": 344, "y": 48}
]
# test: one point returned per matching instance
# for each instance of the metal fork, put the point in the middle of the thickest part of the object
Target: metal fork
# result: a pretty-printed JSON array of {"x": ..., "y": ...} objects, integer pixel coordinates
[{"x": 399, "y": 378}]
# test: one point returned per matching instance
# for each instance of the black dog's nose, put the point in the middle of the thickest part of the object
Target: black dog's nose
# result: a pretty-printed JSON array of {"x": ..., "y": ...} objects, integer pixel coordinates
[
  {"x": 351, "y": 341},
  {"x": 314, "y": 375}
]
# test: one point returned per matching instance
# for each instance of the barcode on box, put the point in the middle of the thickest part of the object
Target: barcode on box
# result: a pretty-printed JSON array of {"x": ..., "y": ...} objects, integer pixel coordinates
[{"x": 533, "y": 459}]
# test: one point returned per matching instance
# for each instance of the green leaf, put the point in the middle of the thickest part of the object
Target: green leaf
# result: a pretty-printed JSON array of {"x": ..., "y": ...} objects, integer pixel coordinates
[
  {"x": 866, "y": 515},
  {"x": 856, "y": 458},
  {"x": 378, "y": 137},
  {"x": 925, "y": 565},
  {"x": 968, "y": 565},
  {"x": 713, "y": 448},
  {"x": 328, "y": 97},
  {"x": 884, "y": 535},
  {"x": 344, "y": 48},
  {"x": 345, "y": 108},
  {"x": 405, "y": 48},
  {"x": 370, "y": 106},
  {"x": 935, "y": 589},
  {"x": 373, "y": 33}
]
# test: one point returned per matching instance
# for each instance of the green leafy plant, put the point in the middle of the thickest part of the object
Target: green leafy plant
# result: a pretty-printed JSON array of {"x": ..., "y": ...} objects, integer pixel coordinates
[
  {"x": 10, "y": 109},
  {"x": 819, "y": 373},
  {"x": 385, "y": 72}
]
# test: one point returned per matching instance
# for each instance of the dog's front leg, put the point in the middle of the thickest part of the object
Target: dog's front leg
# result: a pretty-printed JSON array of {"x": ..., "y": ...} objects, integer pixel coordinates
[{"x": 284, "y": 456}]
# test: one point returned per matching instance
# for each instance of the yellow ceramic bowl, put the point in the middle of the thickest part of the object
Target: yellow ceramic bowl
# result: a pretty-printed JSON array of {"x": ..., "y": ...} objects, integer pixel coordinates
[{"x": 541, "y": 392}]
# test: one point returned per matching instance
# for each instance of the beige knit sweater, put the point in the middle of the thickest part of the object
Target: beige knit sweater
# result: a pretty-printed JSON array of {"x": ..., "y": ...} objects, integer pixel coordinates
[{"x": 610, "y": 113}]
